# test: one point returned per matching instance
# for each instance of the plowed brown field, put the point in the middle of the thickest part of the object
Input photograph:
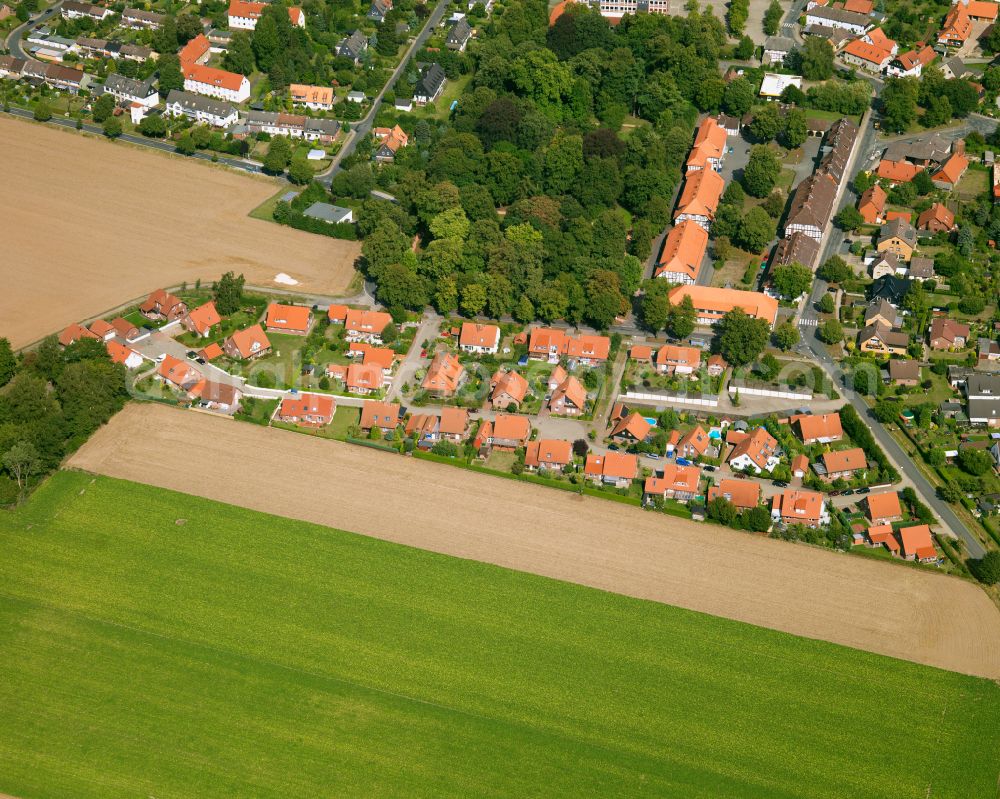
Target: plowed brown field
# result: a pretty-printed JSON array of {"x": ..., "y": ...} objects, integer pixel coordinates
[
  {"x": 88, "y": 224},
  {"x": 881, "y": 607}
]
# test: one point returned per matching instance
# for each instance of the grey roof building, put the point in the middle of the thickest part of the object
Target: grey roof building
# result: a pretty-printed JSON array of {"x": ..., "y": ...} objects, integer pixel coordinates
[
  {"x": 431, "y": 82},
  {"x": 352, "y": 46},
  {"x": 458, "y": 35},
  {"x": 332, "y": 214}
]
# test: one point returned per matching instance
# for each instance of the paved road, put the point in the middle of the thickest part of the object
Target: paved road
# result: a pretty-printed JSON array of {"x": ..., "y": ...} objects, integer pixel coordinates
[
  {"x": 812, "y": 346},
  {"x": 153, "y": 144},
  {"x": 16, "y": 36},
  {"x": 361, "y": 128}
]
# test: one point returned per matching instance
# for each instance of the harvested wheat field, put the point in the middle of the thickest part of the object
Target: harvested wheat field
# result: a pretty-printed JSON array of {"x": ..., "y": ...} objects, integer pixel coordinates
[
  {"x": 89, "y": 224},
  {"x": 907, "y": 613}
]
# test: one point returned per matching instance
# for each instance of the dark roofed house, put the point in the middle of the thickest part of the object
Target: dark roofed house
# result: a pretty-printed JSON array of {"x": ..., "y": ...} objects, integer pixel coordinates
[
  {"x": 931, "y": 149},
  {"x": 131, "y": 90},
  {"x": 776, "y": 48},
  {"x": 921, "y": 268},
  {"x": 812, "y": 206},
  {"x": 378, "y": 10},
  {"x": 137, "y": 19},
  {"x": 352, "y": 46},
  {"x": 797, "y": 248},
  {"x": 898, "y": 237},
  {"x": 458, "y": 35},
  {"x": 890, "y": 288},
  {"x": 904, "y": 373},
  {"x": 430, "y": 85}
]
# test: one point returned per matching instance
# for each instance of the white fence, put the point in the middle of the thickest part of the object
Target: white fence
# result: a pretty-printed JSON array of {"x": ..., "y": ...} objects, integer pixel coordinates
[
  {"x": 670, "y": 399},
  {"x": 767, "y": 392}
]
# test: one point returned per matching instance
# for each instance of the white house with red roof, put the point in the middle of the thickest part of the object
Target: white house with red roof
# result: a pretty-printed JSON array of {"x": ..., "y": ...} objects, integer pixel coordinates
[
  {"x": 307, "y": 410},
  {"x": 213, "y": 82}
]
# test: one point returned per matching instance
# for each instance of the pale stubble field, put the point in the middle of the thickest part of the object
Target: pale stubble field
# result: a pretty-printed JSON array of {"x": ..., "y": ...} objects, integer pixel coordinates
[
  {"x": 880, "y": 607},
  {"x": 90, "y": 224}
]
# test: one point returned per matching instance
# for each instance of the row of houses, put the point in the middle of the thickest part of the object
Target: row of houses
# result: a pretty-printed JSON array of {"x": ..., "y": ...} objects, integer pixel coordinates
[
  {"x": 685, "y": 245},
  {"x": 814, "y": 200}
]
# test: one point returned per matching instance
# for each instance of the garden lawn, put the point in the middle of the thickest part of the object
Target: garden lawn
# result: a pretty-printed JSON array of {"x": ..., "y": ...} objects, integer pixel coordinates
[{"x": 158, "y": 644}]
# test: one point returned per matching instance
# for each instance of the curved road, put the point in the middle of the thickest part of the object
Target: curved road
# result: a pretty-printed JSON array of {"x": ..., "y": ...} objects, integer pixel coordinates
[
  {"x": 13, "y": 42},
  {"x": 361, "y": 128}
]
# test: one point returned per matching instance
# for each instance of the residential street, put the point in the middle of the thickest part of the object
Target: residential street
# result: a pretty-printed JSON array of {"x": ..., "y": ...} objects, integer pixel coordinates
[
  {"x": 833, "y": 241},
  {"x": 362, "y": 127}
]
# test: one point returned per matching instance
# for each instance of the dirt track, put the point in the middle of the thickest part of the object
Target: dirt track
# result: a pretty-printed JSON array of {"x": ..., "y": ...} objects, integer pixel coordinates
[
  {"x": 88, "y": 224},
  {"x": 880, "y": 607}
]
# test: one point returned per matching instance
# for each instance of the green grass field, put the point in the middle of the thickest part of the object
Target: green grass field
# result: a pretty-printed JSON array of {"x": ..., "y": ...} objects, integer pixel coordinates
[{"x": 239, "y": 654}]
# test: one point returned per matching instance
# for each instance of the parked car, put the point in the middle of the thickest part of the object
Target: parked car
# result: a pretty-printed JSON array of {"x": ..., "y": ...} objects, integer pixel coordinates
[
  {"x": 613, "y": 447},
  {"x": 683, "y": 462},
  {"x": 865, "y": 490},
  {"x": 847, "y": 492},
  {"x": 191, "y": 355},
  {"x": 709, "y": 468},
  {"x": 654, "y": 455},
  {"x": 739, "y": 475},
  {"x": 779, "y": 483}
]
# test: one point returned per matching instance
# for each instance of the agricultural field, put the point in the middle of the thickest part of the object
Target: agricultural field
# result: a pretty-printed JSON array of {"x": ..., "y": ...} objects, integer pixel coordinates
[
  {"x": 924, "y": 617},
  {"x": 91, "y": 225},
  {"x": 166, "y": 645}
]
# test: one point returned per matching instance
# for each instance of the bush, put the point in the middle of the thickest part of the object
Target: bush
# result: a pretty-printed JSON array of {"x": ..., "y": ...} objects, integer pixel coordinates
[
  {"x": 987, "y": 568},
  {"x": 858, "y": 430}
]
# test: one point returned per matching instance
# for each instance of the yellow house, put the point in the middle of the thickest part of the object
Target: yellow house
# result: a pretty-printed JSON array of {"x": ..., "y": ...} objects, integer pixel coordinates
[
  {"x": 881, "y": 340},
  {"x": 898, "y": 237}
]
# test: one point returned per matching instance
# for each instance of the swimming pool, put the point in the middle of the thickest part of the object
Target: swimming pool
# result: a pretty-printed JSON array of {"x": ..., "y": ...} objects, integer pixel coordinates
[
  {"x": 714, "y": 434},
  {"x": 650, "y": 419}
]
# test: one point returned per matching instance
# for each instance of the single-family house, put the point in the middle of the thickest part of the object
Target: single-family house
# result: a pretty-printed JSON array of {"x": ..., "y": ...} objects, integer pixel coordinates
[
  {"x": 886, "y": 263},
  {"x": 507, "y": 388},
  {"x": 352, "y": 46},
  {"x": 822, "y": 428},
  {"x": 947, "y": 334},
  {"x": 957, "y": 26},
  {"x": 202, "y": 319},
  {"x": 458, "y": 35},
  {"x": 911, "y": 63},
  {"x": 364, "y": 378},
  {"x": 800, "y": 465},
  {"x": 389, "y": 141},
  {"x": 755, "y": 451},
  {"x": 612, "y": 468},
  {"x": 674, "y": 358},
  {"x": 843, "y": 463},
  {"x": 365, "y": 325},
  {"x": 479, "y": 339},
  {"x": 904, "y": 373},
  {"x": 307, "y": 410},
  {"x": 743, "y": 494},
  {"x": 119, "y": 353},
  {"x": 74, "y": 333},
  {"x": 569, "y": 398},
  {"x": 180, "y": 374},
  {"x": 897, "y": 171},
  {"x": 382, "y": 415},
  {"x": 883, "y": 535},
  {"x": 444, "y": 375},
  {"x": 631, "y": 429},
  {"x": 430, "y": 85},
  {"x": 693, "y": 444},
  {"x": 883, "y": 508},
  {"x": 672, "y": 482},
  {"x": 898, "y": 237},
  {"x": 871, "y": 204},
  {"x": 881, "y": 312},
  {"x": 249, "y": 343},
  {"x": 451, "y": 424},
  {"x": 337, "y": 314},
  {"x": 936, "y": 219},
  {"x": 921, "y": 268},
  {"x": 293, "y": 319},
  {"x": 881, "y": 340},
  {"x": 917, "y": 543},
  {"x": 868, "y": 56},
  {"x": 799, "y": 506},
  {"x": 161, "y": 304},
  {"x": 509, "y": 432},
  {"x": 548, "y": 453},
  {"x": 891, "y": 288}
]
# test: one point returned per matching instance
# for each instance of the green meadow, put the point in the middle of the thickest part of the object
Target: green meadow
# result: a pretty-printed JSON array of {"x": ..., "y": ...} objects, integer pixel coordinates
[{"x": 160, "y": 645}]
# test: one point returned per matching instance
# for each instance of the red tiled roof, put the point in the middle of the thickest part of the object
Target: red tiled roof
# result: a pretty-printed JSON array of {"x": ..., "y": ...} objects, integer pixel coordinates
[
  {"x": 883, "y": 506},
  {"x": 73, "y": 333},
  {"x": 844, "y": 460},
  {"x": 742, "y": 493},
  {"x": 612, "y": 464},
  {"x": 555, "y": 452},
  {"x": 287, "y": 317}
]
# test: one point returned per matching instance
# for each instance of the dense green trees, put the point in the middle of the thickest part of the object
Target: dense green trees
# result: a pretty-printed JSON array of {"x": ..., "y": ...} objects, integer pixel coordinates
[
  {"x": 53, "y": 401},
  {"x": 791, "y": 280},
  {"x": 772, "y": 18},
  {"x": 761, "y": 171},
  {"x": 815, "y": 58},
  {"x": 228, "y": 293},
  {"x": 741, "y": 338}
]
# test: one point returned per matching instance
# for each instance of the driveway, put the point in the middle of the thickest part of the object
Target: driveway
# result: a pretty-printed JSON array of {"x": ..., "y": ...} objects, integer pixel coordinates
[{"x": 427, "y": 330}]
